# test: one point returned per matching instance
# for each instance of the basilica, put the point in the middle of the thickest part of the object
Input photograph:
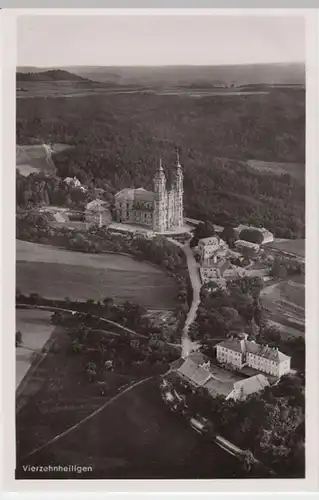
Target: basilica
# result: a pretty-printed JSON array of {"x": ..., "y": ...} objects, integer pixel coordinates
[{"x": 160, "y": 210}]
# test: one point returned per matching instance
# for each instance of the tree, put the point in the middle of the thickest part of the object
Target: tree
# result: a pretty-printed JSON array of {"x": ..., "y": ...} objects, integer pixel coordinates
[
  {"x": 278, "y": 270},
  {"x": 229, "y": 235},
  {"x": 251, "y": 235}
]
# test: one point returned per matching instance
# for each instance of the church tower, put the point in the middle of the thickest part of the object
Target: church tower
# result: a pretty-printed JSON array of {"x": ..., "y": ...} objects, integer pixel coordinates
[
  {"x": 160, "y": 201},
  {"x": 179, "y": 192}
]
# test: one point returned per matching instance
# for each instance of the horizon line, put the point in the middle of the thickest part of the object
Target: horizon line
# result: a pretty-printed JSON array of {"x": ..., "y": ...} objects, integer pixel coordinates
[{"x": 159, "y": 65}]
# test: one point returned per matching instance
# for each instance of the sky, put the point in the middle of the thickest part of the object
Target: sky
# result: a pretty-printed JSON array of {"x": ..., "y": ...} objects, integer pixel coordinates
[{"x": 104, "y": 40}]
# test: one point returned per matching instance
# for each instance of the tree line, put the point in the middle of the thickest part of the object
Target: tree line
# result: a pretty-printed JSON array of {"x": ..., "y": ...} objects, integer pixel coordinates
[{"x": 118, "y": 140}]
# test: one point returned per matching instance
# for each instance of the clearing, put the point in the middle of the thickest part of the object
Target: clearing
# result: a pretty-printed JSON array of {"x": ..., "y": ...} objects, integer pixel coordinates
[
  {"x": 58, "y": 273},
  {"x": 32, "y": 158},
  {"x": 296, "y": 170}
]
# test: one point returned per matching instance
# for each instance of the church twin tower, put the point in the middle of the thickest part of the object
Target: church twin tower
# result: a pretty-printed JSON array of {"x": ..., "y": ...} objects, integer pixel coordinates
[
  {"x": 160, "y": 210},
  {"x": 168, "y": 204}
]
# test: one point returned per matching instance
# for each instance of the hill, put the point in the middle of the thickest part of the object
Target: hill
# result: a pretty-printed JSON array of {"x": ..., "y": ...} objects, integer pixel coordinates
[
  {"x": 198, "y": 76},
  {"x": 57, "y": 75}
]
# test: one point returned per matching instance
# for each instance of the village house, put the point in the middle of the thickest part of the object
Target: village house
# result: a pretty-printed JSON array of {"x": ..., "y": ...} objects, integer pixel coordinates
[
  {"x": 244, "y": 388},
  {"x": 238, "y": 353},
  {"x": 98, "y": 212},
  {"x": 197, "y": 370},
  {"x": 241, "y": 245},
  {"x": 211, "y": 249}
]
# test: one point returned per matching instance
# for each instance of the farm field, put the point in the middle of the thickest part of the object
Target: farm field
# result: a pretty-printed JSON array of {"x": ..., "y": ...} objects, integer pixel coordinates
[
  {"x": 36, "y": 329},
  {"x": 296, "y": 170},
  {"x": 58, "y": 273},
  {"x": 52, "y": 89},
  {"x": 296, "y": 247},
  {"x": 135, "y": 437},
  {"x": 285, "y": 302}
]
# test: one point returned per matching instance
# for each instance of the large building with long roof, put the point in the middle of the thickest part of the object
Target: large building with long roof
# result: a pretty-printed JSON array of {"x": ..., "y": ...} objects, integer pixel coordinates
[
  {"x": 240, "y": 353},
  {"x": 198, "y": 371}
]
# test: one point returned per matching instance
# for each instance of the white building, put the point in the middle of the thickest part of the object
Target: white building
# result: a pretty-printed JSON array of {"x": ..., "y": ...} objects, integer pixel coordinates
[
  {"x": 212, "y": 248},
  {"x": 97, "y": 212},
  {"x": 244, "y": 388},
  {"x": 160, "y": 210},
  {"x": 238, "y": 353},
  {"x": 242, "y": 244},
  {"x": 72, "y": 181},
  {"x": 267, "y": 235}
]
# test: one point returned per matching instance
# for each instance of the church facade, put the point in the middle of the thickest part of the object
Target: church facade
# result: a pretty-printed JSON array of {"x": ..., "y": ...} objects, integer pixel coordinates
[{"x": 160, "y": 210}]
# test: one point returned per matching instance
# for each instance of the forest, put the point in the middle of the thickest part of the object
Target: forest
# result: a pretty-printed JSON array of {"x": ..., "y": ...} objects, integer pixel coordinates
[{"x": 119, "y": 139}]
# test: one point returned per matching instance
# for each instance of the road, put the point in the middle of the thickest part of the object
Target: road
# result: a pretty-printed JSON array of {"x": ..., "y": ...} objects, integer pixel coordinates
[{"x": 187, "y": 344}]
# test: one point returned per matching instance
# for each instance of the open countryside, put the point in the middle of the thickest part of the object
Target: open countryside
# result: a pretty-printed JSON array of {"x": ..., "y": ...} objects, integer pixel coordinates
[
  {"x": 154, "y": 220},
  {"x": 58, "y": 273},
  {"x": 145, "y": 442}
]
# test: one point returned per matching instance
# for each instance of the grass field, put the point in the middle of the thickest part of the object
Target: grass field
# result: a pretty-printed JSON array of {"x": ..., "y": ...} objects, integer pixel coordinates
[
  {"x": 135, "y": 437},
  {"x": 57, "y": 273},
  {"x": 285, "y": 302},
  {"x": 31, "y": 159},
  {"x": 52, "y": 89},
  {"x": 296, "y": 170},
  {"x": 296, "y": 247},
  {"x": 36, "y": 329}
]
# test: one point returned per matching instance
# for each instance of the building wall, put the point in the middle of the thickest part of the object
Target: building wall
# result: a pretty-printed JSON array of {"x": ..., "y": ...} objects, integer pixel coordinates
[
  {"x": 263, "y": 364},
  {"x": 208, "y": 248},
  {"x": 260, "y": 363},
  {"x": 227, "y": 356},
  {"x": 284, "y": 367},
  {"x": 98, "y": 217}
]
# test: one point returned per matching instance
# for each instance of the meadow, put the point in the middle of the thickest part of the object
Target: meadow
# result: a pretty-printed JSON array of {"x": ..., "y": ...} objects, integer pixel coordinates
[
  {"x": 58, "y": 273},
  {"x": 296, "y": 247},
  {"x": 146, "y": 442},
  {"x": 36, "y": 329},
  {"x": 32, "y": 158}
]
